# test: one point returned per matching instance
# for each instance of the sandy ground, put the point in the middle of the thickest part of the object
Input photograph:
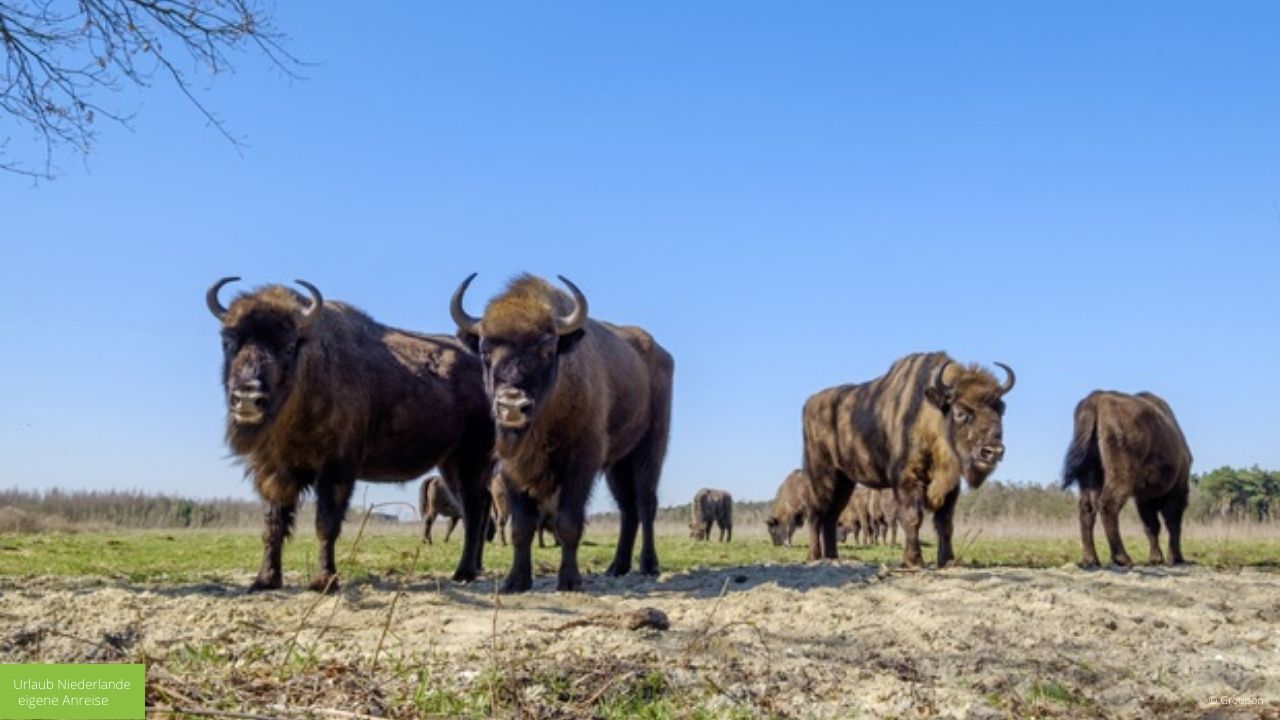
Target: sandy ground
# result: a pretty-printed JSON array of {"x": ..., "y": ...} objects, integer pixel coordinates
[{"x": 820, "y": 640}]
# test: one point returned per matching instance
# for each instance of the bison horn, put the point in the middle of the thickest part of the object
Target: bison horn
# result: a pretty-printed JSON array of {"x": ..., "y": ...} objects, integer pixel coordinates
[
  {"x": 1009, "y": 380},
  {"x": 574, "y": 321},
  {"x": 312, "y": 313},
  {"x": 936, "y": 381},
  {"x": 211, "y": 297},
  {"x": 465, "y": 322}
]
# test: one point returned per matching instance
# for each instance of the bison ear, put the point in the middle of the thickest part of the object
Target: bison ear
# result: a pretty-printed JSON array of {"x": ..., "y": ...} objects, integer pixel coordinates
[
  {"x": 940, "y": 399},
  {"x": 471, "y": 340},
  {"x": 565, "y": 343}
]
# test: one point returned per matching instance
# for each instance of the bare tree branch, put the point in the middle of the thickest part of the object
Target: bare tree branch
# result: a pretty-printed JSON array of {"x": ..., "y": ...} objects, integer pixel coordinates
[{"x": 60, "y": 56}]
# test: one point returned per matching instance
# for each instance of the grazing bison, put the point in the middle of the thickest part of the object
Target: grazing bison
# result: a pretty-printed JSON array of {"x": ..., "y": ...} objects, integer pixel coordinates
[
  {"x": 435, "y": 499},
  {"x": 319, "y": 394},
  {"x": 789, "y": 508},
  {"x": 711, "y": 507},
  {"x": 571, "y": 397},
  {"x": 1128, "y": 445},
  {"x": 502, "y": 514},
  {"x": 916, "y": 429}
]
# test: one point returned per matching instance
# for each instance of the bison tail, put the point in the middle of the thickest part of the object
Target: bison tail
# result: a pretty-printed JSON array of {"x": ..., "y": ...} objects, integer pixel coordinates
[{"x": 1082, "y": 463}]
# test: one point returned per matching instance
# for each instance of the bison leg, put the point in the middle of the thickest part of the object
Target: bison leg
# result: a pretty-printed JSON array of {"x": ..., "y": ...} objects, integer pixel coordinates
[
  {"x": 1175, "y": 504},
  {"x": 633, "y": 480},
  {"x": 911, "y": 513},
  {"x": 944, "y": 526},
  {"x": 467, "y": 474},
  {"x": 524, "y": 521},
  {"x": 277, "y": 524},
  {"x": 570, "y": 518},
  {"x": 333, "y": 495},
  {"x": 1149, "y": 512},
  {"x": 453, "y": 523},
  {"x": 427, "y": 522},
  {"x": 1088, "y": 515},
  {"x": 542, "y": 543},
  {"x": 624, "y": 493},
  {"x": 1111, "y": 503}
]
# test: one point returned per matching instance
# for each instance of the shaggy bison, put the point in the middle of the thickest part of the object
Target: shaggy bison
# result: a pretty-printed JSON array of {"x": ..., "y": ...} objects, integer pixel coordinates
[
  {"x": 711, "y": 507},
  {"x": 319, "y": 394},
  {"x": 571, "y": 397},
  {"x": 789, "y": 508},
  {"x": 502, "y": 514},
  {"x": 1127, "y": 445},
  {"x": 916, "y": 429},
  {"x": 435, "y": 499}
]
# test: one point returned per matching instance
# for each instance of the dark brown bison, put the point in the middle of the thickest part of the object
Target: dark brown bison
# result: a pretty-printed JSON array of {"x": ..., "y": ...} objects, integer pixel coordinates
[
  {"x": 571, "y": 397},
  {"x": 711, "y": 507},
  {"x": 502, "y": 514},
  {"x": 917, "y": 429},
  {"x": 1127, "y": 445},
  {"x": 319, "y": 394},
  {"x": 789, "y": 508},
  {"x": 435, "y": 499}
]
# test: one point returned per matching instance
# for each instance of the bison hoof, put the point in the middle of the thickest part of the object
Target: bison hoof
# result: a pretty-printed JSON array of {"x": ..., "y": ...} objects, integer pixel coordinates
[
  {"x": 650, "y": 569},
  {"x": 324, "y": 584},
  {"x": 260, "y": 584},
  {"x": 1155, "y": 560},
  {"x": 569, "y": 584},
  {"x": 1122, "y": 560},
  {"x": 514, "y": 584},
  {"x": 1178, "y": 560},
  {"x": 464, "y": 575},
  {"x": 618, "y": 569},
  {"x": 1089, "y": 564}
]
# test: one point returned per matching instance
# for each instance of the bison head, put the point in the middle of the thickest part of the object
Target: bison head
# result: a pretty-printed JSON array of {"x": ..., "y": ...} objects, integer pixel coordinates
[
  {"x": 262, "y": 334},
  {"x": 777, "y": 533},
  {"x": 971, "y": 401},
  {"x": 520, "y": 339}
]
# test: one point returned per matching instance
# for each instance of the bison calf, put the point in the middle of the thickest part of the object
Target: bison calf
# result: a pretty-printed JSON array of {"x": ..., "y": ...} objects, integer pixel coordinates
[
  {"x": 711, "y": 507},
  {"x": 1129, "y": 445}
]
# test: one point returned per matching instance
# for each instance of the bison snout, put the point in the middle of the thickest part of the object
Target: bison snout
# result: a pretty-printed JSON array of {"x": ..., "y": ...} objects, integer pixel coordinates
[
  {"x": 991, "y": 454},
  {"x": 511, "y": 408},
  {"x": 247, "y": 402}
]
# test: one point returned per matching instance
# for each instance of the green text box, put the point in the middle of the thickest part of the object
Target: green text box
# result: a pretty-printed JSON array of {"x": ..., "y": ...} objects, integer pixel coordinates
[{"x": 71, "y": 692}]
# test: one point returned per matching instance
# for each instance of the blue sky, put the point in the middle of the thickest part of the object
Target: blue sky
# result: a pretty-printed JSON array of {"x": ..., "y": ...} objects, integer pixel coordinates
[{"x": 788, "y": 196}]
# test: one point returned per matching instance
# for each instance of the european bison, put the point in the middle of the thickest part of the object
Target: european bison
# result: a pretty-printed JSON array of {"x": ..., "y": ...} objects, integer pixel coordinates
[
  {"x": 1128, "y": 445},
  {"x": 502, "y": 514},
  {"x": 883, "y": 511},
  {"x": 855, "y": 520},
  {"x": 435, "y": 499},
  {"x": 917, "y": 429},
  {"x": 571, "y": 397},
  {"x": 711, "y": 507},
  {"x": 789, "y": 508},
  {"x": 319, "y": 394}
]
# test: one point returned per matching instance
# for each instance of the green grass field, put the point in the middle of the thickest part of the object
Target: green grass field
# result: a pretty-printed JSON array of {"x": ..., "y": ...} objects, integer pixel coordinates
[{"x": 196, "y": 555}]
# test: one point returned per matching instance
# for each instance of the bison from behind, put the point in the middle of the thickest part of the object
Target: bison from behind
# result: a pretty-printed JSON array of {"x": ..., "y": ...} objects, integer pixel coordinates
[{"x": 1129, "y": 445}]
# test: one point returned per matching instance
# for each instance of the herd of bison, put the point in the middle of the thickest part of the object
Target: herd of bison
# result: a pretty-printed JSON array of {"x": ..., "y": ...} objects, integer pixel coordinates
[{"x": 525, "y": 405}]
